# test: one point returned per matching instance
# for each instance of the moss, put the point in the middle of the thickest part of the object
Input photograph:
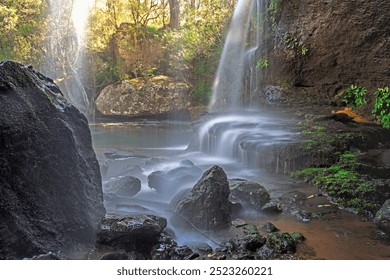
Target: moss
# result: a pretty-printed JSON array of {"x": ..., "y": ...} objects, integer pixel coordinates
[
  {"x": 281, "y": 242},
  {"x": 342, "y": 182},
  {"x": 250, "y": 230}
]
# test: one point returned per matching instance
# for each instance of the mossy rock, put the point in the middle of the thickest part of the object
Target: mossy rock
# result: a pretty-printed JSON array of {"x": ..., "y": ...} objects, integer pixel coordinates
[{"x": 281, "y": 242}]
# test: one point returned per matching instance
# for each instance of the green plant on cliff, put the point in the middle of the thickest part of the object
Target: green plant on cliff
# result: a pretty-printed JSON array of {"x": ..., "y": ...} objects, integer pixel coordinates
[
  {"x": 295, "y": 43},
  {"x": 274, "y": 7},
  {"x": 381, "y": 110},
  {"x": 263, "y": 63},
  {"x": 355, "y": 96}
]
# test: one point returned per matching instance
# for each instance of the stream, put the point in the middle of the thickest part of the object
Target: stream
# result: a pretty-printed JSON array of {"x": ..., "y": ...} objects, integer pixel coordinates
[{"x": 242, "y": 144}]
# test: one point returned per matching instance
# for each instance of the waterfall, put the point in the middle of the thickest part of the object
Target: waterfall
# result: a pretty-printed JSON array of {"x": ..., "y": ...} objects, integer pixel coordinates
[
  {"x": 65, "y": 47},
  {"x": 237, "y": 75},
  {"x": 248, "y": 136}
]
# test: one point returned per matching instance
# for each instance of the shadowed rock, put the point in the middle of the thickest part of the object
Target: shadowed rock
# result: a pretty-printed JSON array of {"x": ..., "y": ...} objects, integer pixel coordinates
[
  {"x": 50, "y": 188},
  {"x": 131, "y": 233},
  {"x": 250, "y": 195},
  {"x": 207, "y": 207}
]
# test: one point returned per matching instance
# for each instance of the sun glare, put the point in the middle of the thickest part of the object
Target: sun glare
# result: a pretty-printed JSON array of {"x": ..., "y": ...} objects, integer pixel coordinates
[{"x": 80, "y": 11}]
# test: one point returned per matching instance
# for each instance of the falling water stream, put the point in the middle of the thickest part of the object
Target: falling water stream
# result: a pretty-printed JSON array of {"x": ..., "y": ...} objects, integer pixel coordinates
[
  {"x": 65, "y": 59},
  {"x": 245, "y": 143}
]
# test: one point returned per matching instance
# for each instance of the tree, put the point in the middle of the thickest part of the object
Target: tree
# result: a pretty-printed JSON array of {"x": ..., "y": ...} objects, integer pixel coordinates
[
  {"x": 23, "y": 30},
  {"x": 174, "y": 14}
]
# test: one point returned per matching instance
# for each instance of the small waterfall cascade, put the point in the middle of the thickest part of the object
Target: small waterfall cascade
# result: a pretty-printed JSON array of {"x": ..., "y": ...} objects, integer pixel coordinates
[
  {"x": 234, "y": 131},
  {"x": 237, "y": 76},
  {"x": 65, "y": 59}
]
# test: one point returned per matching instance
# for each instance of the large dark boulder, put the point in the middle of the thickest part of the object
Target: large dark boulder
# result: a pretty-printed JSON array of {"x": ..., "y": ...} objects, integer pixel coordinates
[
  {"x": 132, "y": 233},
  {"x": 382, "y": 218},
  {"x": 50, "y": 187},
  {"x": 208, "y": 206}
]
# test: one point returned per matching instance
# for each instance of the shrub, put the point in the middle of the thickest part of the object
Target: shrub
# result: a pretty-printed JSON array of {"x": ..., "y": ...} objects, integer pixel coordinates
[
  {"x": 355, "y": 96},
  {"x": 381, "y": 110}
]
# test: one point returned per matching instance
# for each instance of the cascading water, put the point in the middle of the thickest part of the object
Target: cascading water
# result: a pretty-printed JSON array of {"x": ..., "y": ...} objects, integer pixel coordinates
[
  {"x": 234, "y": 132},
  {"x": 239, "y": 55},
  {"x": 65, "y": 59}
]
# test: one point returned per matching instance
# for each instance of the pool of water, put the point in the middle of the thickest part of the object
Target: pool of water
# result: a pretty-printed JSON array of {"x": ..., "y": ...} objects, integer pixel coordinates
[{"x": 141, "y": 148}]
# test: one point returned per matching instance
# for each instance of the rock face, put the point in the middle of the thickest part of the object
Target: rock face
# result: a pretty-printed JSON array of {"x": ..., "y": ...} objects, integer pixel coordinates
[
  {"x": 132, "y": 233},
  {"x": 382, "y": 218},
  {"x": 158, "y": 95},
  {"x": 50, "y": 186},
  {"x": 250, "y": 195},
  {"x": 207, "y": 207},
  {"x": 321, "y": 47}
]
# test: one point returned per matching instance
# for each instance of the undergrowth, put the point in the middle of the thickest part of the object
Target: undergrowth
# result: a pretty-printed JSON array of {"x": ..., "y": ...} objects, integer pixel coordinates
[{"x": 335, "y": 170}]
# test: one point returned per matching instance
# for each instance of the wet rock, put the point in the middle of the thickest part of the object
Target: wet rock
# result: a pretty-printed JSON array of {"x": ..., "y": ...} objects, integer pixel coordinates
[
  {"x": 168, "y": 249},
  {"x": 126, "y": 186},
  {"x": 267, "y": 253},
  {"x": 239, "y": 223},
  {"x": 250, "y": 195},
  {"x": 271, "y": 208},
  {"x": 207, "y": 207},
  {"x": 281, "y": 242},
  {"x": 382, "y": 218},
  {"x": 121, "y": 256},
  {"x": 252, "y": 240},
  {"x": 201, "y": 248},
  {"x": 47, "y": 257},
  {"x": 273, "y": 94},
  {"x": 50, "y": 185},
  {"x": 131, "y": 233},
  {"x": 297, "y": 236},
  {"x": 171, "y": 180},
  {"x": 268, "y": 227},
  {"x": 292, "y": 201},
  {"x": 159, "y": 95}
]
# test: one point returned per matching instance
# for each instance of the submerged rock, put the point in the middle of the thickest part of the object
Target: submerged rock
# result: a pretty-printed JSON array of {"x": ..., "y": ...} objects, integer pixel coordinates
[
  {"x": 126, "y": 186},
  {"x": 159, "y": 95},
  {"x": 131, "y": 233},
  {"x": 382, "y": 218},
  {"x": 207, "y": 207},
  {"x": 50, "y": 186},
  {"x": 250, "y": 195}
]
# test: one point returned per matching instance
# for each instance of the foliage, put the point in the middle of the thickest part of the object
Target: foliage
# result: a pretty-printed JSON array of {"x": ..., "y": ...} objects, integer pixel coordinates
[
  {"x": 263, "y": 63},
  {"x": 343, "y": 183},
  {"x": 274, "y": 7},
  {"x": 133, "y": 36},
  {"x": 295, "y": 43},
  {"x": 381, "y": 109},
  {"x": 22, "y": 30},
  {"x": 355, "y": 96}
]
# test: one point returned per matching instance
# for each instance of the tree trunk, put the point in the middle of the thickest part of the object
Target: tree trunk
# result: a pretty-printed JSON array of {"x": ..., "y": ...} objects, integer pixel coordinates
[{"x": 174, "y": 13}]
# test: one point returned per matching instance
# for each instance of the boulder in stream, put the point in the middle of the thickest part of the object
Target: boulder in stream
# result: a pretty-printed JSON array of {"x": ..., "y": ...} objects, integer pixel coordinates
[
  {"x": 131, "y": 233},
  {"x": 250, "y": 195},
  {"x": 126, "y": 186},
  {"x": 382, "y": 218},
  {"x": 207, "y": 207},
  {"x": 50, "y": 185}
]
